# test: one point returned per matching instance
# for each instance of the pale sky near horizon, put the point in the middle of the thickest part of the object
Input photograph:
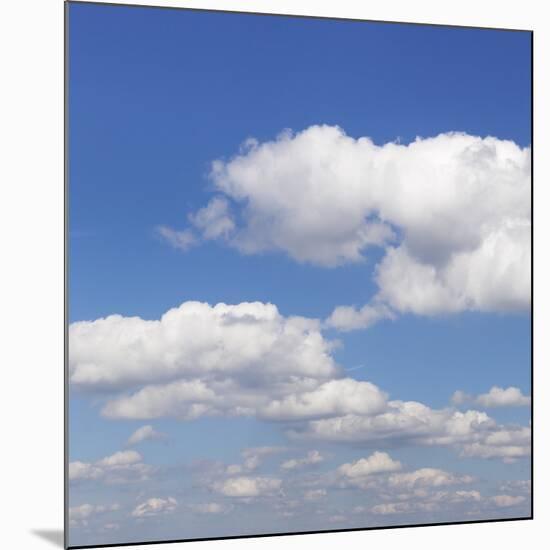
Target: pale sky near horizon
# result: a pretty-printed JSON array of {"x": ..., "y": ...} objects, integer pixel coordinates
[{"x": 299, "y": 278}]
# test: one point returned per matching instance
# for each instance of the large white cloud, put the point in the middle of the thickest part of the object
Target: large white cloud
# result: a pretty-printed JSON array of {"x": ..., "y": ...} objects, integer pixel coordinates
[
  {"x": 452, "y": 212},
  {"x": 252, "y": 340}
]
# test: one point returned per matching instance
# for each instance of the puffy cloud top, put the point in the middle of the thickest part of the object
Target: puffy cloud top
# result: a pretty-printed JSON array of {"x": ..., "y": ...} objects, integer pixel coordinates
[
  {"x": 194, "y": 339},
  {"x": 451, "y": 211}
]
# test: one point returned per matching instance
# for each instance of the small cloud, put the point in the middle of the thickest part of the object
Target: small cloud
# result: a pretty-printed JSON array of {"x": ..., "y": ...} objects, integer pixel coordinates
[
  {"x": 376, "y": 463},
  {"x": 244, "y": 486},
  {"x": 312, "y": 457},
  {"x": 495, "y": 397},
  {"x": 143, "y": 434},
  {"x": 505, "y": 501},
  {"x": 210, "y": 508},
  {"x": 182, "y": 240},
  {"x": 155, "y": 507}
]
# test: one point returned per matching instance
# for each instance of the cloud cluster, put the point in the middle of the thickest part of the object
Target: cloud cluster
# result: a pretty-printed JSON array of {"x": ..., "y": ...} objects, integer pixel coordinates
[
  {"x": 249, "y": 360},
  {"x": 495, "y": 397},
  {"x": 121, "y": 467},
  {"x": 452, "y": 213}
]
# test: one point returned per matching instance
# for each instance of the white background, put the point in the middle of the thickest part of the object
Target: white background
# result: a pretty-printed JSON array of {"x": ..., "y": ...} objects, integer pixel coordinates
[{"x": 31, "y": 271}]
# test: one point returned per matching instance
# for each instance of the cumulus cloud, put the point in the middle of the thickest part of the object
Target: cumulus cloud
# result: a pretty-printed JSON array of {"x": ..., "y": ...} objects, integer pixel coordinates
[
  {"x": 251, "y": 340},
  {"x": 507, "y": 443},
  {"x": 247, "y": 486},
  {"x": 313, "y": 457},
  {"x": 452, "y": 213},
  {"x": 144, "y": 433},
  {"x": 121, "y": 467},
  {"x": 155, "y": 507},
  {"x": 496, "y": 397},
  {"x": 249, "y": 360},
  {"x": 328, "y": 399},
  {"x": 374, "y": 464}
]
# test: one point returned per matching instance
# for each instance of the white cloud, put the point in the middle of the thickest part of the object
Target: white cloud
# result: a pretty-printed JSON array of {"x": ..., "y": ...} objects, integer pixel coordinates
[
  {"x": 246, "y": 486},
  {"x": 347, "y": 318},
  {"x": 328, "y": 399},
  {"x": 401, "y": 420},
  {"x": 155, "y": 507},
  {"x": 252, "y": 340},
  {"x": 505, "y": 501},
  {"x": 183, "y": 240},
  {"x": 496, "y": 397},
  {"x": 80, "y": 515},
  {"x": 313, "y": 457},
  {"x": 214, "y": 220},
  {"x": 452, "y": 213},
  {"x": 249, "y": 360},
  {"x": 465, "y": 496},
  {"x": 121, "y": 467},
  {"x": 426, "y": 477},
  {"x": 388, "y": 508},
  {"x": 144, "y": 433},
  {"x": 472, "y": 433},
  {"x": 374, "y": 464},
  {"x": 507, "y": 443}
]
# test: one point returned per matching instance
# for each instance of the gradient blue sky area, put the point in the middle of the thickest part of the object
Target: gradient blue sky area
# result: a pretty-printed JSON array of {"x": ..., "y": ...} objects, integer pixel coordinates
[{"x": 155, "y": 95}]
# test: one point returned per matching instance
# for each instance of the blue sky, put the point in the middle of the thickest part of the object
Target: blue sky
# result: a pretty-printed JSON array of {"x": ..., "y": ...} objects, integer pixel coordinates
[{"x": 155, "y": 96}]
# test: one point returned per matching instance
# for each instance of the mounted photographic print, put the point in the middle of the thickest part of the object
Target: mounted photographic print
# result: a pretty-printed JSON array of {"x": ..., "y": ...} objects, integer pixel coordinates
[{"x": 299, "y": 274}]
